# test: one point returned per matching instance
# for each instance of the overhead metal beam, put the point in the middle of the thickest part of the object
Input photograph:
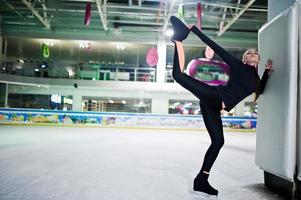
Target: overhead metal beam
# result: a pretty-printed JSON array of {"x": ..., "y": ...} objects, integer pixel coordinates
[
  {"x": 221, "y": 25},
  {"x": 14, "y": 9},
  {"x": 189, "y": 4},
  {"x": 159, "y": 12},
  {"x": 44, "y": 8},
  {"x": 111, "y": 5},
  {"x": 101, "y": 14},
  {"x": 238, "y": 40},
  {"x": 105, "y": 11},
  {"x": 238, "y": 4},
  {"x": 43, "y": 21},
  {"x": 80, "y": 0},
  {"x": 223, "y": 29},
  {"x": 228, "y": 5},
  {"x": 137, "y": 22},
  {"x": 172, "y": 3},
  {"x": 209, "y": 15},
  {"x": 148, "y": 8}
]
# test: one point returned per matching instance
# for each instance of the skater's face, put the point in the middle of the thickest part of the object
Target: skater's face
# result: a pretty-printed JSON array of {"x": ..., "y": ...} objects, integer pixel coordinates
[{"x": 251, "y": 57}]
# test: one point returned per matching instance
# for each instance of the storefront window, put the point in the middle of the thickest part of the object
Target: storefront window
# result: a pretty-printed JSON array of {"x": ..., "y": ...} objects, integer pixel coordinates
[
  {"x": 250, "y": 109},
  {"x": 184, "y": 107},
  {"x": 113, "y": 104},
  {"x": 20, "y": 96}
]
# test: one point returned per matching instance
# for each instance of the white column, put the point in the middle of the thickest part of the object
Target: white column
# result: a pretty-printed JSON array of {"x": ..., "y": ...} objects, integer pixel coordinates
[
  {"x": 77, "y": 101},
  {"x": 3, "y": 95},
  {"x": 239, "y": 109},
  {"x": 6, "y": 96},
  {"x": 161, "y": 66},
  {"x": 1, "y": 55},
  {"x": 160, "y": 104}
]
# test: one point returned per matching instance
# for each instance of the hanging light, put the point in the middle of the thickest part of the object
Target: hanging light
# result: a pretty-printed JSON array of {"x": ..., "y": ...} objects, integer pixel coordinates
[
  {"x": 169, "y": 32},
  {"x": 120, "y": 46},
  {"x": 181, "y": 10},
  {"x": 199, "y": 15},
  {"x": 88, "y": 14}
]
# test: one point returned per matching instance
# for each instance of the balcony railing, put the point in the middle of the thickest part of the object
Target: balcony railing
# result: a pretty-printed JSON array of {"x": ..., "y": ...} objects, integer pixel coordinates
[{"x": 88, "y": 73}]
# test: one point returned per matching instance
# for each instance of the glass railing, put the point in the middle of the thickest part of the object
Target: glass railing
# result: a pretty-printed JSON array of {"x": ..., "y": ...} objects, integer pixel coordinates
[
  {"x": 113, "y": 73},
  {"x": 127, "y": 74},
  {"x": 88, "y": 73}
]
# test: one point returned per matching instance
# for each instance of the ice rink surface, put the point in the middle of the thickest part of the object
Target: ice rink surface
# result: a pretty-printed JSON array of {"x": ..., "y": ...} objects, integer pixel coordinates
[{"x": 76, "y": 163}]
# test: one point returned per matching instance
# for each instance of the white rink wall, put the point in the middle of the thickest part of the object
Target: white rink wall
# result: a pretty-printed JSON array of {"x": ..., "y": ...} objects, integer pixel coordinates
[{"x": 67, "y": 118}]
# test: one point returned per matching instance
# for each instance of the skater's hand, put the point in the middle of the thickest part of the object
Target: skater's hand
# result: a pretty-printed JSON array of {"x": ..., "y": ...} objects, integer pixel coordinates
[{"x": 269, "y": 66}]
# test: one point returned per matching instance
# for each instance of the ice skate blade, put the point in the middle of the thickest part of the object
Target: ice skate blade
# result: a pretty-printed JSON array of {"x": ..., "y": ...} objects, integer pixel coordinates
[{"x": 202, "y": 195}]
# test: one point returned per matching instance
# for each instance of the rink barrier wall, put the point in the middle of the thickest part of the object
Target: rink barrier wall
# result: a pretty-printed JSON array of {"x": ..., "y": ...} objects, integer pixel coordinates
[{"x": 16, "y": 116}]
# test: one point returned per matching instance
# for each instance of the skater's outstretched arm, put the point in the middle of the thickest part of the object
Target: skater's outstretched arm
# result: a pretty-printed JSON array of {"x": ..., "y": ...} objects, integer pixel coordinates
[
  {"x": 267, "y": 72},
  {"x": 264, "y": 80}
]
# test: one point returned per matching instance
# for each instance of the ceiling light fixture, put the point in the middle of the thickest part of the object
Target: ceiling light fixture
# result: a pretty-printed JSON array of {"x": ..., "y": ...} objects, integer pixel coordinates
[
  {"x": 169, "y": 32},
  {"x": 120, "y": 46}
]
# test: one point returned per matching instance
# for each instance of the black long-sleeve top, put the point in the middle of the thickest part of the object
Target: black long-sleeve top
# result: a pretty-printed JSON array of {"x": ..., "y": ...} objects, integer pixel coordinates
[{"x": 243, "y": 78}]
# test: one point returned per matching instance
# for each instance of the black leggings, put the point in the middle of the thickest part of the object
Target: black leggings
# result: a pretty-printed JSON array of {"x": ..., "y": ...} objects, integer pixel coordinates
[{"x": 210, "y": 104}]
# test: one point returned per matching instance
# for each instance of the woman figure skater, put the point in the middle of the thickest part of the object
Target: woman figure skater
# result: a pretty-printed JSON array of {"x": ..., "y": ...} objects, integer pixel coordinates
[{"x": 243, "y": 81}]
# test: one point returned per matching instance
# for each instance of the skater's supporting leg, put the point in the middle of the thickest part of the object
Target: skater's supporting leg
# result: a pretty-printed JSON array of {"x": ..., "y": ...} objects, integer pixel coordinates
[
  {"x": 212, "y": 120},
  {"x": 213, "y": 123},
  {"x": 201, "y": 184}
]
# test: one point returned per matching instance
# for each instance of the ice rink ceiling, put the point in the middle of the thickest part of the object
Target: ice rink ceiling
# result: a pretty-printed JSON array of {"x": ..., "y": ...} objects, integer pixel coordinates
[{"x": 132, "y": 21}]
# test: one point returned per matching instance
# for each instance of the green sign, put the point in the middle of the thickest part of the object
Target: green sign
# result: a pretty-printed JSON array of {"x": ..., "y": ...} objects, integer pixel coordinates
[{"x": 45, "y": 51}]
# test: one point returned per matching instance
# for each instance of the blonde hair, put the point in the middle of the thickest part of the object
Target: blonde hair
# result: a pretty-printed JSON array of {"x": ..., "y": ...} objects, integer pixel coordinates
[{"x": 245, "y": 54}]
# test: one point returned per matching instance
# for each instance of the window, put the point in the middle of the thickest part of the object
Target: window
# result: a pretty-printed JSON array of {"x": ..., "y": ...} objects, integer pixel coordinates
[{"x": 116, "y": 104}]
